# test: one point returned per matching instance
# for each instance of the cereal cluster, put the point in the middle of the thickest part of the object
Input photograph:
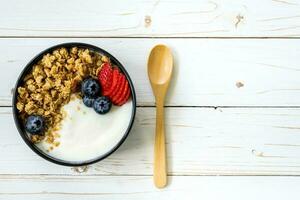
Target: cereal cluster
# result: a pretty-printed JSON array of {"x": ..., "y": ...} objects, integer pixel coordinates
[{"x": 50, "y": 84}]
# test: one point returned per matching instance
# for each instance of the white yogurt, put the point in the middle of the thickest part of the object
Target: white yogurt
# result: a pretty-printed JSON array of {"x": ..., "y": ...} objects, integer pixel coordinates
[{"x": 85, "y": 135}]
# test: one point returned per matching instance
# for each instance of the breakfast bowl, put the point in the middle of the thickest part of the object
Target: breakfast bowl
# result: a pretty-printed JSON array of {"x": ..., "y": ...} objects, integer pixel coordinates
[{"x": 74, "y": 104}]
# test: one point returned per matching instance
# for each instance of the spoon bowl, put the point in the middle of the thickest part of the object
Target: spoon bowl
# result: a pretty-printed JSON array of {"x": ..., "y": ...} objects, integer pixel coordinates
[{"x": 160, "y": 65}]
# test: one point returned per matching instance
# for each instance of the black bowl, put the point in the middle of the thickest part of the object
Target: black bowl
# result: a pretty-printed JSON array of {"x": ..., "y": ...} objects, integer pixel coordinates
[{"x": 20, "y": 126}]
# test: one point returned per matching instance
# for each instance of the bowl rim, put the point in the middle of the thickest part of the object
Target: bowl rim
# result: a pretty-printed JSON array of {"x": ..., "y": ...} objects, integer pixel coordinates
[{"x": 20, "y": 127}]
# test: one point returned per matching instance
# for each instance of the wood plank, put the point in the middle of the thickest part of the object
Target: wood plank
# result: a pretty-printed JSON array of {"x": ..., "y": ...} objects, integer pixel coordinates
[
  {"x": 208, "y": 72},
  {"x": 141, "y": 187},
  {"x": 153, "y": 18},
  {"x": 200, "y": 141}
]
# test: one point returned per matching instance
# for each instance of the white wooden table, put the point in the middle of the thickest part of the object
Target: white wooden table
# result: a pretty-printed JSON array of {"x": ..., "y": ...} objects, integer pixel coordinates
[{"x": 233, "y": 111}]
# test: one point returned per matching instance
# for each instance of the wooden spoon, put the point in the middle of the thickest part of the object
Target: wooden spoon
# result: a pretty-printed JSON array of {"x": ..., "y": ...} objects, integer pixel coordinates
[{"x": 160, "y": 67}]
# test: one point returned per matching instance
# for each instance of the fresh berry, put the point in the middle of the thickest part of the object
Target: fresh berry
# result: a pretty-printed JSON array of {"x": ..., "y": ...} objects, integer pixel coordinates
[
  {"x": 124, "y": 94},
  {"x": 105, "y": 76},
  {"x": 125, "y": 99},
  {"x": 35, "y": 125},
  {"x": 120, "y": 90},
  {"x": 90, "y": 87},
  {"x": 114, "y": 84},
  {"x": 120, "y": 83},
  {"x": 88, "y": 101},
  {"x": 115, "y": 79},
  {"x": 102, "y": 105}
]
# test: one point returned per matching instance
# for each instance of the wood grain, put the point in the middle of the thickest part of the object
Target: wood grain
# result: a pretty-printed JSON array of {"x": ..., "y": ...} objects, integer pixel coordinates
[
  {"x": 207, "y": 72},
  {"x": 153, "y": 18},
  {"x": 200, "y": 141},
  {"x": 140, "y": 187}
]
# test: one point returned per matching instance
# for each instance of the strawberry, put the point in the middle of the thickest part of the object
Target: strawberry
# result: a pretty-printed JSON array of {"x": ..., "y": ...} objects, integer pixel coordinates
[
  {"x": 114, "y": 84},
  {"x": 115, "y": 79},
  {"x": 125, "y": 99},
  {"x": 105, "y": 76},
  {"x": 120, "y": 83},
  {"x": 119, "y": 90}
]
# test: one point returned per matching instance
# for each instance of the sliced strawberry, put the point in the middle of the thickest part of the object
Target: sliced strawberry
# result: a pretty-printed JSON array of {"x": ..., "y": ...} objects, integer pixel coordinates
[
  {"x": 120, "y": 84},
  {"x": 125, "y": 90},
  {"x": 105, "y": 70},
  {"x": 105, "y": 76},
  {"x": 124, "y": 100},
  {"x": 124, "y": 94},
  {"x": 119, "y": 90},
  {"x": 115, "y": 79},
  {"x": 106, "y": 79}
]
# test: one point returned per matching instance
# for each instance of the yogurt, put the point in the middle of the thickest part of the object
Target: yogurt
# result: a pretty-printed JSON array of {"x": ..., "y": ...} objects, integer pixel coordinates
[{"x": 85, "y": 135}]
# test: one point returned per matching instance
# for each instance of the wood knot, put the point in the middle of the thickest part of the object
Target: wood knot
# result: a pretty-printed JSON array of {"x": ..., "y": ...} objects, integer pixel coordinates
[
  {"x": 239, "y": 19},
  {"x": 82, "y": 169},
  {"x": 148, "y": 21},
  {"x": 257, "y": 153},
  {"x": 239, "y": 84}
]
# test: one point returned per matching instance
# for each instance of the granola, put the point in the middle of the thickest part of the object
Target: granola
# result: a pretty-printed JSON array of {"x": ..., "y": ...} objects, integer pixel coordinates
[{"x": 50, "y": 84}]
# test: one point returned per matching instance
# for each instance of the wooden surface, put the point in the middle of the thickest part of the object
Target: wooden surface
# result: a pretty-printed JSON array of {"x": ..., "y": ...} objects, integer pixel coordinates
[
  {"x": 200, "y": 141},
  {"x": 233, "y": 109},
  {"x": 128, "y": 187},
  {"x": 144, "y": 18},
  {"x": 207, "y": 72}
]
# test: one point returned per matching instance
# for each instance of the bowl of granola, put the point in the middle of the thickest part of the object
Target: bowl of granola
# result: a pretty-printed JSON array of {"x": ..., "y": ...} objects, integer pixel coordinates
[{"x": 74, "y": 104}]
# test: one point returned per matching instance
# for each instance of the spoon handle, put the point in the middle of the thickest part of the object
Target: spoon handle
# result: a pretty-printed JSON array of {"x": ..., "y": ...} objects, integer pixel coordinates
[{"x": 160, "y": 168}]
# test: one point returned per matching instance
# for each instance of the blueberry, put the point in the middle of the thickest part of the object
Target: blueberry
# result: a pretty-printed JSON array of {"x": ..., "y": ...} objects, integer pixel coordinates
[
  {"x": 88, "y": 101},
  {"x": 102, "y": 105},
  {"x": 35, "y": 125},
  {"x": 90, "y": 87}
]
